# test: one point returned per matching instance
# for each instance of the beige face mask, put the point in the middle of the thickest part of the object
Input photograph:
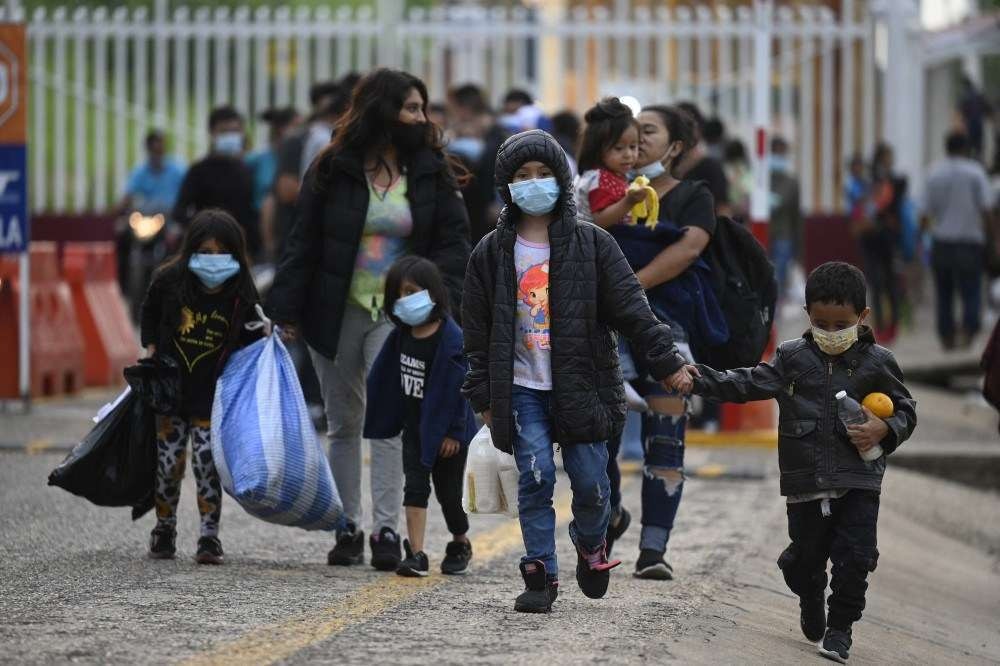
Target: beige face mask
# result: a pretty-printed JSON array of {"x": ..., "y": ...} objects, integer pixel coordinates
[{"x": 835, "y": 343}]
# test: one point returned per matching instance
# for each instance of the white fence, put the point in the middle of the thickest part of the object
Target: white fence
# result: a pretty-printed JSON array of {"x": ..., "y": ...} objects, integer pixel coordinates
[{"x": 102, "y": 77}]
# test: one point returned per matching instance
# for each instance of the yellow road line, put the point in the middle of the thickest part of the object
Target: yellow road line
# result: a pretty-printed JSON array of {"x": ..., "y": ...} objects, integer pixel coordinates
[
  {"x": 37, "y": 446},
  {"x": 273, "y": 643}
]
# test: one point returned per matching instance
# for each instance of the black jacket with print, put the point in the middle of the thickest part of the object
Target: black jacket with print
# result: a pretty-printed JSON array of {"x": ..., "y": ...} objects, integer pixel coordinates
[
  {"x": 593, "y": 290},
  {"x": 814, "y": 452}
]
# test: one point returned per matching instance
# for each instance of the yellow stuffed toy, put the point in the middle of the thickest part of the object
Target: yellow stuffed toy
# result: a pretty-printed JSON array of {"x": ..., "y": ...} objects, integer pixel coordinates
[{"x": 650, "y": 207}]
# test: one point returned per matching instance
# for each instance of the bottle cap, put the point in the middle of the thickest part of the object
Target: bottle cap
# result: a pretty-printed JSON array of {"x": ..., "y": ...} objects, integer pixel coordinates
[{"x": 841, "y": 395}]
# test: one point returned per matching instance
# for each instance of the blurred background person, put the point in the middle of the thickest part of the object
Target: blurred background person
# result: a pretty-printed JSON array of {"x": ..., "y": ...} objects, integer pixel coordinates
[
  {"x": 785, "y": 224},
  {"x": 736, "y": 165},
  {"x": 263, "y": 165},
  {"x": 221, "y": 179},
  {"x": 958, "y": 207},
  {"x": 700, "y": 165},
  {"x": 566, "y": 127}
]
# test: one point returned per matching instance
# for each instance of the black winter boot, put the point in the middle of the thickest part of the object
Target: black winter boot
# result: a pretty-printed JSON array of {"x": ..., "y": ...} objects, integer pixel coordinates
[{"x": 540, "y": 590}]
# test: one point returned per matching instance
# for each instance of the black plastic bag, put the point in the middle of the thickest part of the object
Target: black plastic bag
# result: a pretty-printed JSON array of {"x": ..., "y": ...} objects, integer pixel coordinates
[
  {"x": 115, "y": 464},
  {"x": 157, "y": 381}
]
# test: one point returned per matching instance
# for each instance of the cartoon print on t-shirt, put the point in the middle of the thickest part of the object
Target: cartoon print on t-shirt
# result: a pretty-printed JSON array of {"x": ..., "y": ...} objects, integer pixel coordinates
[{"x": 533, "y": 288}]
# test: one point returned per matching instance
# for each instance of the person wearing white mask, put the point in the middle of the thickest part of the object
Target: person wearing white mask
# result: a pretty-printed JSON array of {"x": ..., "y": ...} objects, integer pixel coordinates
[{"x": 221, "y": 179}]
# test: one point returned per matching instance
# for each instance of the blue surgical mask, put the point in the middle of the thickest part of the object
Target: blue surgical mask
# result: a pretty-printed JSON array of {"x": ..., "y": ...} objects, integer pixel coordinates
[
  {"x": 467, "y": 147},
  {"x": 213, "y": 269},
  {"x": 780, "y": 164},
  {"x": 228, "y": 143},
  {"x": 651, "y": 170},
  {"x": 537, "y": 196},
  {"x": 413, "y": 310}
]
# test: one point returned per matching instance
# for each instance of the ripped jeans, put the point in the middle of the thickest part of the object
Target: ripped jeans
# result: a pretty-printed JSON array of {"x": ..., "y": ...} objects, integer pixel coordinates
[
  {"x": 586, "y": 466},
  {"x": 663, "y": 459}
]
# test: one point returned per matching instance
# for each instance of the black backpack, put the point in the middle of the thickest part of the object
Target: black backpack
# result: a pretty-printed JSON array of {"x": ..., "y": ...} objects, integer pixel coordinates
[{"x": 745, "y": 286}]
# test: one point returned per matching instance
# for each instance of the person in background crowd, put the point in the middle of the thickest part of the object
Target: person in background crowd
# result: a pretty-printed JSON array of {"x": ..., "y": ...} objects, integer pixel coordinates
[
  {"x": 154, "y": 184},
  {"x": 667, "y": 261},
  {"x": 381, "y": 190},
  {"x": 857, "y": 189},
  {"x": 521, "y": 113},
  {"x": 700, "y": 165},
  {"x": 475, "y": 138},
  {"x": 288, "y": 174},
  {"x": 566, "y": 129},
  {"x": 320, "y": 131},
  {"x": 737, "y": 167},
  {"x": 263, "y": 165},
  {"x": 974, "y": 109},
  {"x": 437, "y": 113},
  {"x": 714, "y": 137},
  {"x": 221, "y": 179},
  {"x": 878, "y": 232},
  {"x": 151, "y": 188},
  {"x": 785, "y": 225},
  {"x": 958, "y": 206}
]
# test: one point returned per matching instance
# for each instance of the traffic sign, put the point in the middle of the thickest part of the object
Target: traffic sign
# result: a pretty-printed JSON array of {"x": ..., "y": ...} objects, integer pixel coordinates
[{"x": 15, "y": 233}]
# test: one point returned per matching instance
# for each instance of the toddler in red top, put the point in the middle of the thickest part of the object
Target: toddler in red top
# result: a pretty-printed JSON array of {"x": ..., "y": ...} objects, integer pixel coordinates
[{"x": 608, "y": 152}]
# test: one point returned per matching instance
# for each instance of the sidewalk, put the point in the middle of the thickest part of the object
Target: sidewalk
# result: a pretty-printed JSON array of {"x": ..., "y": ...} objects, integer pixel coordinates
[{"x": 52, "y": 423}]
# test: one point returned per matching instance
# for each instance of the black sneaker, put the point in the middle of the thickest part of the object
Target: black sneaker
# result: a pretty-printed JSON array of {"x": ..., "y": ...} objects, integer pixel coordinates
[
  {"x": 414, "y": 565},
  {"x": 812, "y": 617},
  {"x": 349, "y": 549},
  {"x": 456, "y": 558},
  {"x": 540, "y": 590},
  {"x": 209, "y": 551},
  {"x": 836, "y": 645},
  {"x": 616, "y": 530},
  {"x": 652, "y": 566},
  {"x": 161, "y": 543},
  {"x": 593, "y": 571},
  {"x": 386, "y": 555}
]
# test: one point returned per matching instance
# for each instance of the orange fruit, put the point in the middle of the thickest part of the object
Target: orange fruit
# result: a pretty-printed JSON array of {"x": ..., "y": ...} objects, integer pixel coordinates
[{"x": 880, "y": 405}]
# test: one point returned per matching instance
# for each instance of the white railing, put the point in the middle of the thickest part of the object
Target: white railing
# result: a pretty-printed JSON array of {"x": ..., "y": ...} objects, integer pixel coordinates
[{"x": 101, "y": 78}]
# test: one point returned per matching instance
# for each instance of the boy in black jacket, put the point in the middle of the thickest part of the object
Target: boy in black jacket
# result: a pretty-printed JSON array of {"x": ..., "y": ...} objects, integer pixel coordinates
[{"x": 832, "y": 493}]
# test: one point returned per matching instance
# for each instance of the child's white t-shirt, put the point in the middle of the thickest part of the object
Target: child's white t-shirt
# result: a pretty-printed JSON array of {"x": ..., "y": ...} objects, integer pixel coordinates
[{"x": 532, "y": 348}]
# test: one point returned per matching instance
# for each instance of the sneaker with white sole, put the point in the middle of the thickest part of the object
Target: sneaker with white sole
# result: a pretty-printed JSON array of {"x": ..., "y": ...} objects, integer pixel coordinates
[
  {"x": 414, "y": 565},
  {"x": 652, "y": 566},
  {"x": 836, "y": 645}
]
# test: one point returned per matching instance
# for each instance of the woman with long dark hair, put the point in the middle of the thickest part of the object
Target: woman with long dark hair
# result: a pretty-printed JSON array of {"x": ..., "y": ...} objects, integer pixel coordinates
[
  {"x": 381, "y": 190},
  {"x": 667, "y": 260}
]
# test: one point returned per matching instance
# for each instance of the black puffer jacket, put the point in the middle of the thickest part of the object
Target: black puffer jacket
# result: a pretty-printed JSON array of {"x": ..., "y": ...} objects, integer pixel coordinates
[
  {"x": 591, "y": 290},
  {"x": 314, "y": 276},
  {"x": 814, "y": 452}
]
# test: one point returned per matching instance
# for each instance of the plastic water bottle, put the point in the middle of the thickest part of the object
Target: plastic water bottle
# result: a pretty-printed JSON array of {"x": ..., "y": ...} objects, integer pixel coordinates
[{"x": 850, "y": 413}]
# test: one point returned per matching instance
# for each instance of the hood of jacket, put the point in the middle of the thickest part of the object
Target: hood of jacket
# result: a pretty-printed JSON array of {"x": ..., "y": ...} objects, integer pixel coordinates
[{"x": 534, "y": 146}]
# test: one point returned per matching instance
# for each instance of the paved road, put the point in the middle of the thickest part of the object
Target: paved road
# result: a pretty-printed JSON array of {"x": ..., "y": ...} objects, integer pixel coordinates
[{"x": 75, "y": 586}]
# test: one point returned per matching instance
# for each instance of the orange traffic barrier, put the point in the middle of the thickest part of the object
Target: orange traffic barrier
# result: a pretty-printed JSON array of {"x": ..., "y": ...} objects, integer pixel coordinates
[
  {"x": 109, "y": 339},
  {"x": 56, "y": 348}
]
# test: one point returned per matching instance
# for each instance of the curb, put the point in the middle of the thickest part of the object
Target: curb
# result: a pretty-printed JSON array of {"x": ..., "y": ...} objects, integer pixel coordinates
[
  {"x": 761, "y": 439},
  {"x": 709, "y": 471}
]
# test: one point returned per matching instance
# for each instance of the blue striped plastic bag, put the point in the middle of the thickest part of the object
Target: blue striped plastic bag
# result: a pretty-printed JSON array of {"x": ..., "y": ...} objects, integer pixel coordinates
[{"x": 264, "y": 444}]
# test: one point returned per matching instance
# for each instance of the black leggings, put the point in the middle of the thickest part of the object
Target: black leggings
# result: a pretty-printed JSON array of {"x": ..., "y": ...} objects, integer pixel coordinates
[{"x": 447, "y": 474}]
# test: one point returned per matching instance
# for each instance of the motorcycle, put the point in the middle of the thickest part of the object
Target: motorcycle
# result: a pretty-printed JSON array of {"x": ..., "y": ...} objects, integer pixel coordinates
[{"x": 146, "y": 238}]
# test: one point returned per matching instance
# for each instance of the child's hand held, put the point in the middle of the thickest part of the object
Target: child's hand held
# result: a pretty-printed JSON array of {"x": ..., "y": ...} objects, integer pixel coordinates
[{"x": 449, "y": 447}]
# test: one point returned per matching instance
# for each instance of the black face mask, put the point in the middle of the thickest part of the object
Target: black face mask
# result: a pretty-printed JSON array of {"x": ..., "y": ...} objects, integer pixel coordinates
[{"x": 409, "y": 138}]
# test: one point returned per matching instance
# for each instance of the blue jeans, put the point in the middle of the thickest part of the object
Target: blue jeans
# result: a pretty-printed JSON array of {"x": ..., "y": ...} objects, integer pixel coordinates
[
  {"x": 782, "y": 254},
  {"x": 586, "y": 466}
]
